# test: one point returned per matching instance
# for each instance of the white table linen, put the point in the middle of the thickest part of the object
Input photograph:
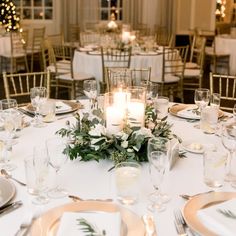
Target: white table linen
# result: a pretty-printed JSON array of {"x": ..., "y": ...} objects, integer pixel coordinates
[
  {"x": 227, "y": 44},
  {"x": 92, "y": 179},
  {"x": 92, "y": 64}
]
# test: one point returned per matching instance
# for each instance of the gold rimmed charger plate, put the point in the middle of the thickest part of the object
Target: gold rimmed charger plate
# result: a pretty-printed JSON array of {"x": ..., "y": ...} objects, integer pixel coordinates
[
  {"x": 74, "y": 106},
  {"x": 179, "y": 107},
  {"x": 7, "y": 191},
  {"x": 203, "y": 201},
  {"x": 49, "y": 222}
]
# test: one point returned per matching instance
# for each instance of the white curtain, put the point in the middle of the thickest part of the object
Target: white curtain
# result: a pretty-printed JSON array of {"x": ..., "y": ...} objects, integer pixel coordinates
[{"x": 150, "y": 12}]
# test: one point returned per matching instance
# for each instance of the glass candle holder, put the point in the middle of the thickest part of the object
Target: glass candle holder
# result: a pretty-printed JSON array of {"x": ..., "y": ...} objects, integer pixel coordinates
[
  {"x": 115, "y": 105},
  {"x": 136, "y": 97}
]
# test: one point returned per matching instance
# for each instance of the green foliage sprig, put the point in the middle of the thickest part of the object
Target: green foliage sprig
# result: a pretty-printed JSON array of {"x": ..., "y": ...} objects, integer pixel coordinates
[{"x": 90, "y": 141}]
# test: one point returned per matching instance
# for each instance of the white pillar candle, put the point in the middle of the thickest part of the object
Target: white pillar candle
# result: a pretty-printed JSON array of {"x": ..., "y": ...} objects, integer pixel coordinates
[
  {"x": 136, "y": 113},
  {"x": 120, "y": 99},
  {"x": 114, "y": 119},
  {"x": 125, "y": 37}
]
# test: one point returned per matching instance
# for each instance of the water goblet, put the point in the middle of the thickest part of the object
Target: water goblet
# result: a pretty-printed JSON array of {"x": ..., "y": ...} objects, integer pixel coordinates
[
  {"x": 201, "y": 98},
  {"x": 158, "y": 164},
  {"x": 41, "y": 171},
  {"x": 90, "y": 90},
  {"x": 38, "y": 96},
  {"x": 9, "y": 117},
  {"x": 228, "y": 138},
  {"x": 152, "y": 90},
  {"x": 57, "y": 158}
]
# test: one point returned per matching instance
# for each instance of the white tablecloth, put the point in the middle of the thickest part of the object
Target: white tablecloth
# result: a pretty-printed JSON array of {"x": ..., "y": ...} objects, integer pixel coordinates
[
  {"x": 5, "y": 45},
  {"x": 92, "y": 180},
  {"x": 92, "y": 64},
  {"x": 227, "y": 44}
]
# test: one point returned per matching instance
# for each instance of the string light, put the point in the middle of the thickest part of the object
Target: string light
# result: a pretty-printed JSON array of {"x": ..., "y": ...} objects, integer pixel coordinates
[{"x": 8, "y": 16}]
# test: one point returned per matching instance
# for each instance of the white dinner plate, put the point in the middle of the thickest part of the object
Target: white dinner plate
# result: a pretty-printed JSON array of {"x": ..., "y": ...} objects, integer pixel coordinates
[
  {"x": 7, "y": 191},
  {"x": 199, "y": 202},
  {"x": 193, "y": 146},
  {"x": 49, "y": 222}
]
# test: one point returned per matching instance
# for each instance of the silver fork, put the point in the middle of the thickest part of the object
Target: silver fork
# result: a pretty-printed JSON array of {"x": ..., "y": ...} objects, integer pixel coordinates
[{"x": 179, "y": 225}]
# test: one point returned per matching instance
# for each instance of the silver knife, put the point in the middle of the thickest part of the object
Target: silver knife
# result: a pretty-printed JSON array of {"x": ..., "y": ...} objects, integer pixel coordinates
[{"x": 10, "y": 207}]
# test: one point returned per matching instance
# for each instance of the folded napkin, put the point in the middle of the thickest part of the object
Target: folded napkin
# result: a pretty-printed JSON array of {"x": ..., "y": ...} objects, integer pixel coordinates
[
  {"x": 216, "y": 221},
  {"x": 110, "y": 222},
  {"x": 189, "y": 113},
  {"x": 173, "y": 152},
  {"x": 62, "y": 107}
]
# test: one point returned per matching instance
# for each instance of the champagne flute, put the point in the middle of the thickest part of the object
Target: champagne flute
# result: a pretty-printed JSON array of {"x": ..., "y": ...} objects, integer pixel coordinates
[
  {"x": 57, "y": 158},
  {"x": 38, "y": 96},
  {"x": 41, "y": 170},
  {"x": 90, "y": 90},
  {"x": 228, "y": 138},
  {"x": 158, "y": 163}
]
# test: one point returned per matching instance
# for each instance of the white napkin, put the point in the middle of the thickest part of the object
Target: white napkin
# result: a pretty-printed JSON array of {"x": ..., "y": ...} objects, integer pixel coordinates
[
  {"x": 62, "y": 107},
  {"x": 110, "y": 222},
  {"x": 173, "y": 152},
  {"x": 188, "y": 113},
  {"x": 216, "y": 221}
]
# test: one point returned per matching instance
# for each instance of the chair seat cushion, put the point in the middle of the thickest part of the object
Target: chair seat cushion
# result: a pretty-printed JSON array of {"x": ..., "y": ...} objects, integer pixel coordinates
[
  {"x": 192, "y": 72},
  {"x": 191, "y": 65},
  {"x": 77, "y": 76},
  {"x": 168, "y": 79},
  {"x": 60, "y": 70}
]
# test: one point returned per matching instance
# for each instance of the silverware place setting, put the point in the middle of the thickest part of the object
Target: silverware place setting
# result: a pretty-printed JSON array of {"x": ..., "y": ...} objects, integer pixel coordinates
[{"x": 8, "y": 176}]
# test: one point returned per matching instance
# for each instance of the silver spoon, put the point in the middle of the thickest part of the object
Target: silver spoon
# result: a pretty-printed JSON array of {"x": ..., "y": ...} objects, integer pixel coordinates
[{"x": 8, "y": 176}]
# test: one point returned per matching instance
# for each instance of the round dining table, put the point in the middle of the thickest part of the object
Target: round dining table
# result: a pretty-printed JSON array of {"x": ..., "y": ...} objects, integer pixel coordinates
[
  {"x": 92, "y": 180},
  {"x": 91, "y": 63}
]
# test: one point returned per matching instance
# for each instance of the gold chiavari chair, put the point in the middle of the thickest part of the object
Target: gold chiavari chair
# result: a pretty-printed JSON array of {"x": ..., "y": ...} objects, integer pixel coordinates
[
  {"x": 74, "y": 33},
  {"x": 193, "y": 72},
  {"x": 18, "y": 85},
  {"x": 114, "y": 58},
  {"x": 34, "y": 49},
  {"x": 16, "y": 56},
  {"x": 225, "y": 85},
  {"x": 171, "y": 82}
]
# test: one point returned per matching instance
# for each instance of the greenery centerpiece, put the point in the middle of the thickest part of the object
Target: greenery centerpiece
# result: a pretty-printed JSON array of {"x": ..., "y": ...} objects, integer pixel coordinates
[{"x": 89, "y": 139}]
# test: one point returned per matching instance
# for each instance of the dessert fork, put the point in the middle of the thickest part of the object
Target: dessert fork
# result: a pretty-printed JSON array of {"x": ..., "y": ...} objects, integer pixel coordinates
[{"x": 179, "y": 225}]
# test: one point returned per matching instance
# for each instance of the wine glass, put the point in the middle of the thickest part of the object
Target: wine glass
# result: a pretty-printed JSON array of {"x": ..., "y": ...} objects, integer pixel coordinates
[
  {"x": 158, "y": 163},
  {"x": 38, "y": 96},
  {"x": 41, "y": 171},
  {"x": 152, "y": 91},
  {"x": 57, "y": 157},
  {"x": 9, "y": 118},
  {"x": 90, "y": 90},
  {"x": 228, "y": 138}
]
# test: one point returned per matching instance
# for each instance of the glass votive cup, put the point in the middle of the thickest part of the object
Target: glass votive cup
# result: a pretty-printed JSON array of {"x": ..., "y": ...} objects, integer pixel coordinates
[
  {"x": 30, "y": 175},
  {"x": 161, "y": 105},
  {"x": 209, "y": 119},
  {"x": 127, "y": 177},
  {"x": 48, "y": 111},
  {"x": 214, "y": 167}
]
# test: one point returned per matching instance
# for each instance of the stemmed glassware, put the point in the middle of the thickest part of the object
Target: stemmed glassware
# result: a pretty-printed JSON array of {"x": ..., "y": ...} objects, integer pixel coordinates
[
  {"x": 38, "y": 96},
  {"x": 201, "y": 99},
  {"x": 158, "y": 164},
  {"x": 9, "y": 118},
  {"x": 41, "y": 170},
  {"x": 90, "y": 90},
  {"x": 57, "y": 158},
  {"x": 228, "y": 138}
]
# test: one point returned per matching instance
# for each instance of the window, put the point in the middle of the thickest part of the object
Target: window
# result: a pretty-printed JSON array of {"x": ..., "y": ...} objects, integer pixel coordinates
[
  {"x": 111, "y": 8},
  {"x": 35, "y": 9}
]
